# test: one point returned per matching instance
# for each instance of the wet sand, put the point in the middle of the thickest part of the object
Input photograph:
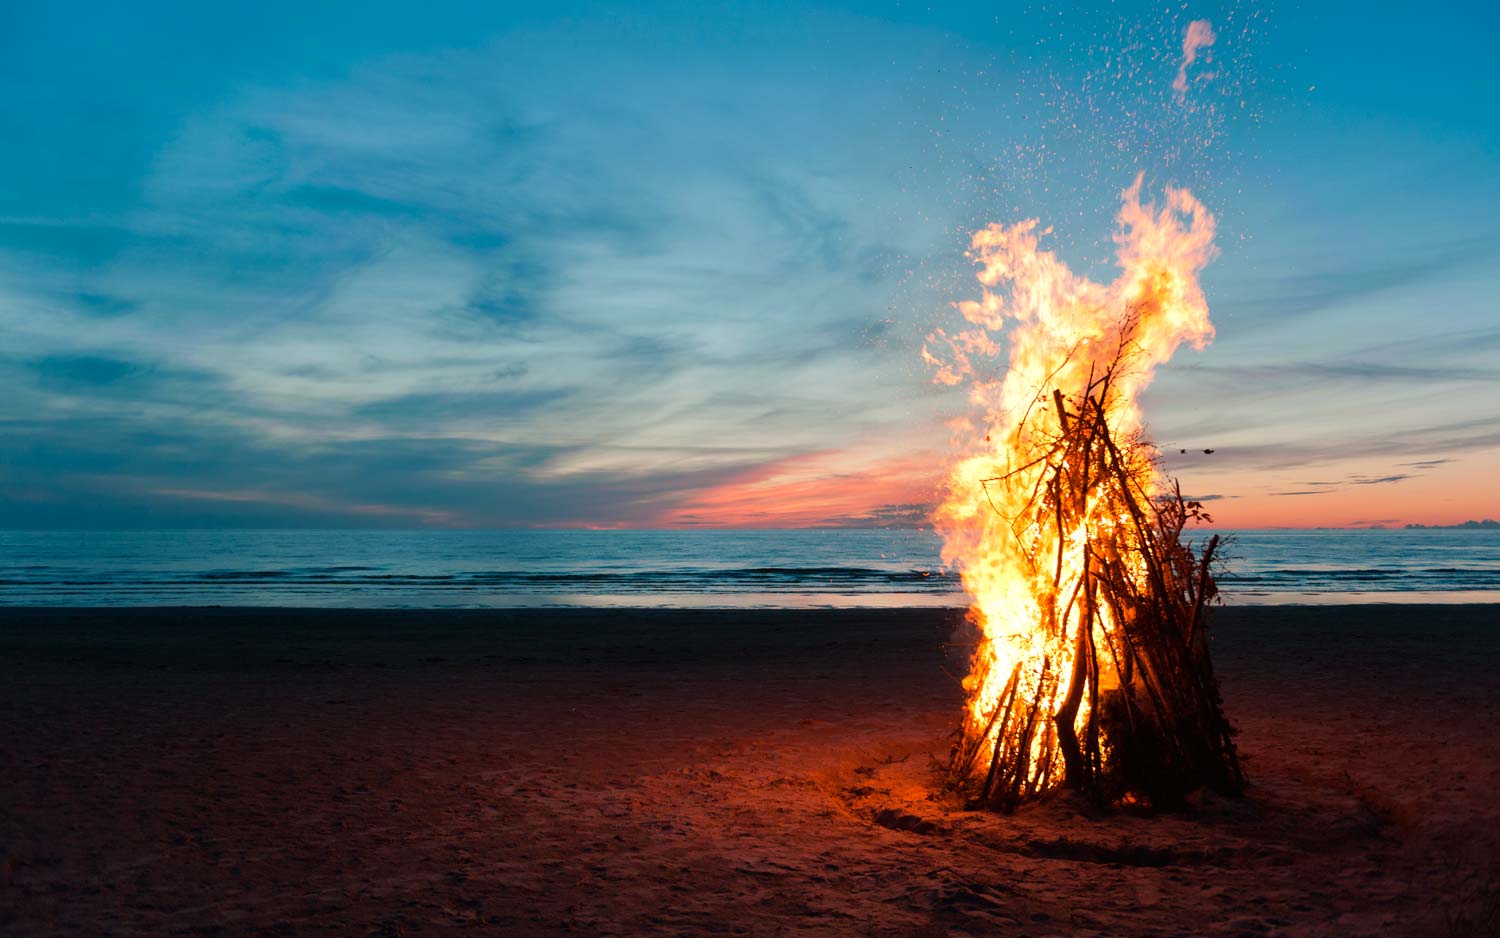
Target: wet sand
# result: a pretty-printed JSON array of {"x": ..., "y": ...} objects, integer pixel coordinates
[{"x": 238, "y": 771}]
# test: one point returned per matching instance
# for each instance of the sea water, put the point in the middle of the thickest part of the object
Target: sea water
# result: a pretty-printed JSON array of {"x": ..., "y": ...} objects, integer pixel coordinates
[{"x": 834, "y": 567}]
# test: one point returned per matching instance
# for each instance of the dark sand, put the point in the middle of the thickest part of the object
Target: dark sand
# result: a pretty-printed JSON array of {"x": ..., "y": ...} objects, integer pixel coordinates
[{"x": 293, "y": 772}]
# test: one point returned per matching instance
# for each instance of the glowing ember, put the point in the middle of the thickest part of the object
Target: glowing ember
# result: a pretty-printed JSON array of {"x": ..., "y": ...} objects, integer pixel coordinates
[{"x": 1093, "y": 664}]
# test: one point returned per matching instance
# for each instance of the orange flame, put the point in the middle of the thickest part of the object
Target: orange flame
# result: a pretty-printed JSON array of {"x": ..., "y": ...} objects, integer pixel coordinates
[{"x": 1063, "y": 330}]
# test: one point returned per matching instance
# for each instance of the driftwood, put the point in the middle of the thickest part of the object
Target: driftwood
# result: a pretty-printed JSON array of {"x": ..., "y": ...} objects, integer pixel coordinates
[{"x": 1128, "y": 627}]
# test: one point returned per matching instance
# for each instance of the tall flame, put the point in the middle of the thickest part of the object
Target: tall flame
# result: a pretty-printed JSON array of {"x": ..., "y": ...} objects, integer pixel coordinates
[{"x": 1063, "y": 332}]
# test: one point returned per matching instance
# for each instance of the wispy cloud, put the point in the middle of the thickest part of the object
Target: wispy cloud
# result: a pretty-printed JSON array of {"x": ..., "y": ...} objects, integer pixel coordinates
[
  {"x": 314, "y": 503},
  {"x": 501, "y": 286},
  {"x": 1342, "y": 281},
  {"x": 1382, "y": 480}
]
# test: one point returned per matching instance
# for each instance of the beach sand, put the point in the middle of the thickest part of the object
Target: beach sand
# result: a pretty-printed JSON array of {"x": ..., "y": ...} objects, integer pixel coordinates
[{"x": 266, "y": 771}]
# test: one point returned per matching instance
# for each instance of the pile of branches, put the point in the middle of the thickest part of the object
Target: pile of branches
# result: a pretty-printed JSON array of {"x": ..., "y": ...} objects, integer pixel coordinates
[{"x": 1156, "y": 729}]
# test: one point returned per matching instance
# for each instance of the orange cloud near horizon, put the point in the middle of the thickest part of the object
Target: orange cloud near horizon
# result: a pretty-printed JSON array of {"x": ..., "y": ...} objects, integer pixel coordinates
[
  {"x": 1446, "y": 494},
  {"x": 871, "y": 487},
  {"x": 845, "y": 488}
]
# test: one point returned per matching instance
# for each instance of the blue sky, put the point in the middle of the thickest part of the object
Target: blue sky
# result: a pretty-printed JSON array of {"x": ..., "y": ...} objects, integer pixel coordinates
[{"x": 479, "y": 265}]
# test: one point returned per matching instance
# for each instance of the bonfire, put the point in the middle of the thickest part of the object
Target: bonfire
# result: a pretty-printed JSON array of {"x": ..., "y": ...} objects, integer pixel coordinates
[{"x": 1088, "y": 594}]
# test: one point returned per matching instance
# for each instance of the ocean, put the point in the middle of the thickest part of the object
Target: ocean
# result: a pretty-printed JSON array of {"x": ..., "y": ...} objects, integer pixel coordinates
[{"x": 803, "y": 568}]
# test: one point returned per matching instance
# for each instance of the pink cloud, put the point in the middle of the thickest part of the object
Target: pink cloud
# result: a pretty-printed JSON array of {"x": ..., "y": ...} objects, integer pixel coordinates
[{"x": 827, "y": 487}]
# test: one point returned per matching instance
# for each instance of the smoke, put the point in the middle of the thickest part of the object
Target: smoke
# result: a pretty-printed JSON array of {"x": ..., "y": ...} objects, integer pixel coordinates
[{"x": 1199, "y": 35}]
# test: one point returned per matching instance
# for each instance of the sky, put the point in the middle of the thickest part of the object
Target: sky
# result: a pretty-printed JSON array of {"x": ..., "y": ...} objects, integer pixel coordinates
[{"x": 671, "y": 265}]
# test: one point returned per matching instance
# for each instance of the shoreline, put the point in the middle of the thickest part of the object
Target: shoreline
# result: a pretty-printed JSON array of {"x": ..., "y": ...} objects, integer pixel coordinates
[
  {"x": 814, "y": 602},
  {"x": 691, "y": 772}
]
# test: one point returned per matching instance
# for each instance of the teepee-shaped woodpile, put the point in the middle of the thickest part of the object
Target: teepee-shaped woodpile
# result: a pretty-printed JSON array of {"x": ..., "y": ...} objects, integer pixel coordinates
[{"x": 1120, "y": 702}]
